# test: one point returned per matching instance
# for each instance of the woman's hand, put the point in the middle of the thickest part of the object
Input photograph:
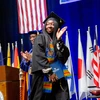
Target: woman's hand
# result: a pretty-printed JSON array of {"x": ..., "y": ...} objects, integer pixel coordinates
[
  {"x": 60, "y": 32},
  {"x": 53, "y": 77}
]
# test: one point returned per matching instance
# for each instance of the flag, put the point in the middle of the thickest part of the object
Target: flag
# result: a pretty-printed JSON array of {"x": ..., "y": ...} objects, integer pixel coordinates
[
  {"x": 81, "y": 71},
  {"x": 67, "y": 1},
  {"x": 31, "y": 14},
  {"x": 16, "y": 57},
  {"x": 95, "y": 61},
  {"x": 1, "y": 56},
  {"x": 71, "y": 81},
  {"x": 12, "y": 58},
  {"x": 8, "y": 56},
  {"x": 89, "y": 57}
]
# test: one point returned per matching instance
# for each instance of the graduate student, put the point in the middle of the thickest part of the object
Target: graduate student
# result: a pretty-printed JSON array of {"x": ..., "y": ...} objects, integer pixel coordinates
[{"x": 48, "y": 48}]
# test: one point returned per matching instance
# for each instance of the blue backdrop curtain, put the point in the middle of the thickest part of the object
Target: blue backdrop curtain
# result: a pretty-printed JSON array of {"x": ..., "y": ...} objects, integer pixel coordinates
[{"x": 77, "y": 15}]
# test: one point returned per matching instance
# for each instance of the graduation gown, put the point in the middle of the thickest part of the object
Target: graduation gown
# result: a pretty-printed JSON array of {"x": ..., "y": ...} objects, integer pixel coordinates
[
  {"x": 39, "y": 62},
  {"x": 39, "y": 59},
  {"x": 25, "y": 66}
]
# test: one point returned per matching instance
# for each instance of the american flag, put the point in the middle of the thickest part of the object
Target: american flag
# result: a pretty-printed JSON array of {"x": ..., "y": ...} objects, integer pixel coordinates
[
  {"x": 96, "y": 66},
  {"x": 96, "y": 61},
  {"x": 31, "y": 14}
]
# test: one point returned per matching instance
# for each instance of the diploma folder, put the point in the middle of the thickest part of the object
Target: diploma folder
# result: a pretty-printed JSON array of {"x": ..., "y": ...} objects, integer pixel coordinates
[{"x": 57, "y": 68}]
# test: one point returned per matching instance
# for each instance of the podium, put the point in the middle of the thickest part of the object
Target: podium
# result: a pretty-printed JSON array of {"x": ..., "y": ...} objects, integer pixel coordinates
[{"x": 9, "y": 83}]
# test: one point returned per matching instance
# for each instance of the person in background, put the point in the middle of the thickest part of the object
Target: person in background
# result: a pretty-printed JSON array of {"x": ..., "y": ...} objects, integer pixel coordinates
[
  {"x": 27, "y": 59},
  {"x": 48, "y": 47}
]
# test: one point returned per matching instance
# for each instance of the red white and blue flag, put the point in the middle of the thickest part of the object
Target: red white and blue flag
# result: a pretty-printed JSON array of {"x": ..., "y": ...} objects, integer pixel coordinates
[
  {"x": 96, "y": 60},
  {"x": 31, "y": 14}
]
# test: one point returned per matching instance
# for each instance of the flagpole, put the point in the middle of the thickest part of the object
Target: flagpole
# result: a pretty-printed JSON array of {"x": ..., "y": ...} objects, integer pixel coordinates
[
  {"x": 71, "y": 81},
  {"x": 22, "y": 48},
  {"x": 96, "y": 32},
  {"x": 23, "y": 95},
  {"x": 81, "y": 70},
  {"x": 21, "y": 75}
]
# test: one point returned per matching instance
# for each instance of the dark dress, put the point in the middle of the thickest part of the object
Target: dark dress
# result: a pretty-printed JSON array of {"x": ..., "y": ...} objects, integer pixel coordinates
[{"x": 39, "y": 62}]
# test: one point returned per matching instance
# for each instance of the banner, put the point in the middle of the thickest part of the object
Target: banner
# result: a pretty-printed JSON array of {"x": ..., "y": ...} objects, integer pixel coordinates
[
  {"x": 67, "y": 1},
  {"x": 31, "y": 14}
]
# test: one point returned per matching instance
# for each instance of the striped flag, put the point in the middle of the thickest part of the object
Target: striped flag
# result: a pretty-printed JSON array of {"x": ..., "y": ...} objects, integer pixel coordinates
[
  {"x": 1, "y": 56},
  {"x": 31, "y": 14},
  {"x": 8, "y": 56},
  {"x": 12, "y": 58},
  {"x": 81, "y": 71},
  {"x": 16, "y": 57},
  {"x": 95, "y": 61},
  {"x": 71, "y": 81}
]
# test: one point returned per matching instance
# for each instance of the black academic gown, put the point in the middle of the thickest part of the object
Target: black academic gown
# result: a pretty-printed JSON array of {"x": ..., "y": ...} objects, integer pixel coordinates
[{"x": 39, "y": 62}]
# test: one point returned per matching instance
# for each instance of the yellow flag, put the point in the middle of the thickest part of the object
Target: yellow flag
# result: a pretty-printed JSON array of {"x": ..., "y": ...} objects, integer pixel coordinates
[{"x": 8, "y": 56}]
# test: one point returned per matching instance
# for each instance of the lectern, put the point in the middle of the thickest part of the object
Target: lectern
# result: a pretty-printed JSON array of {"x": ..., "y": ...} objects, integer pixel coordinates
[{"x": 9, "y": 83}]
